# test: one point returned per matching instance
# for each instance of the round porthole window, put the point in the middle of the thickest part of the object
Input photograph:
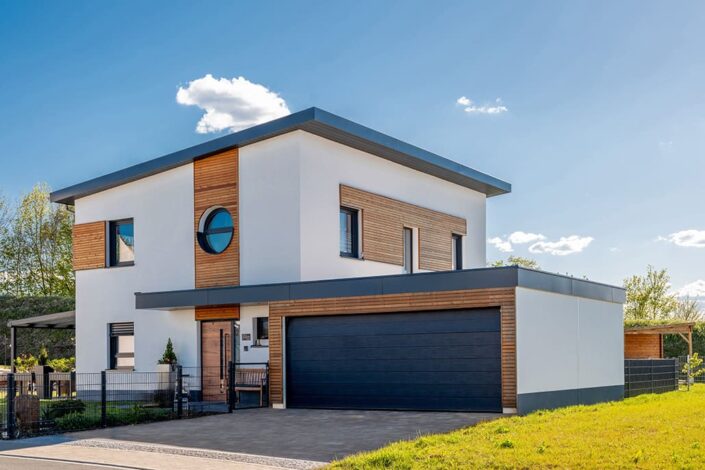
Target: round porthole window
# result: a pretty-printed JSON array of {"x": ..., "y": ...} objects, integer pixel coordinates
[{"x": 216, "y": 230}]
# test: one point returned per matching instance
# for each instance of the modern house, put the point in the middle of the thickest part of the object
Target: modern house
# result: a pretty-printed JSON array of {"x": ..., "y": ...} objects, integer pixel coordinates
[{"x": 352, "y": 262}]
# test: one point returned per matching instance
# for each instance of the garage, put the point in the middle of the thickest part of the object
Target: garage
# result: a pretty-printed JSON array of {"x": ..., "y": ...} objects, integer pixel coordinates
[{"x": 433, "y": 360}]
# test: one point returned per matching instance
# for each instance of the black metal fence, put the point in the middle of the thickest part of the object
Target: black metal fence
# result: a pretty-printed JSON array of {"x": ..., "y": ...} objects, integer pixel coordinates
[
  {"x": 42, "y": 402},
  {"x": 650, "y": 376},
  {"x": 697, "y": 375}
]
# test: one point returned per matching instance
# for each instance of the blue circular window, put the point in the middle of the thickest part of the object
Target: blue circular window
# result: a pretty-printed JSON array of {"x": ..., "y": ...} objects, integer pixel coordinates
[{"x": 216, "y": 232}]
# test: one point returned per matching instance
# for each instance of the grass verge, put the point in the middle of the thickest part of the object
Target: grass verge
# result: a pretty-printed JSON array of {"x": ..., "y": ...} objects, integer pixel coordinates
[{"x": 649, "y": 431}]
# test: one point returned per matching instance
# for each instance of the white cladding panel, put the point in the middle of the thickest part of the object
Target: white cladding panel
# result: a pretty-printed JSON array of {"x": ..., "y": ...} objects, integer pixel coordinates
[
  {"x": 248, "y": 313},
  {"x": 566, "y": 342},
  {"x": 162, "y": 209}
]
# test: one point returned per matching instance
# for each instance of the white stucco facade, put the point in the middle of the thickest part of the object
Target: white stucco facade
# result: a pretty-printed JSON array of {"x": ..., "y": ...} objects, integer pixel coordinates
[
  {"x": 289, "y": 202},
  {"x": 162, "y": 209},
  {"x": 567, "y": 343}
]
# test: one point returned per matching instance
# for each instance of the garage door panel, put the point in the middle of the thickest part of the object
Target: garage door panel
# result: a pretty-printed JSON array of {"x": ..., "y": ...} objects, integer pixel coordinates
[
  {"x": 440, "y": 360},
  {"x": 424, "y": 339},
  {"x": 396, "y": 403},
  {"x": 311, "y": 327},
  {"x": 399, "y": 365},
  {"x": 416, "y": 352}
]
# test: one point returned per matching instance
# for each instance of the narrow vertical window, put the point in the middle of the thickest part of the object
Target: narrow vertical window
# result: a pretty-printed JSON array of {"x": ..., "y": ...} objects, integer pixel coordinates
[
  {"x": 349, "y": 236},
  {"x": 408, "y": 250},
  {"x": 122, "y": 243},
  {"x": 457, "y": 252},
  {"x": 122, "y": 346}
]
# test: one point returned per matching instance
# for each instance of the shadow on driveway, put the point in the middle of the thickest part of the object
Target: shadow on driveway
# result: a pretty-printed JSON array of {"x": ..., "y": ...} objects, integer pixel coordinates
[{"x": 317, "y": 435}]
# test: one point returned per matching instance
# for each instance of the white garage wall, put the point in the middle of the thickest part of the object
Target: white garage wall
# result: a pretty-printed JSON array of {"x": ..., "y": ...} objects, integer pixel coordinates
[
  {"x": 567, "y": 343},
  {"x": 162, "y": 209}
]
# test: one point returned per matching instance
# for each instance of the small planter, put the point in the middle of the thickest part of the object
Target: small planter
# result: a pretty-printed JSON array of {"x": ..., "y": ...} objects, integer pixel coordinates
[{"x": 166, "y": 376}]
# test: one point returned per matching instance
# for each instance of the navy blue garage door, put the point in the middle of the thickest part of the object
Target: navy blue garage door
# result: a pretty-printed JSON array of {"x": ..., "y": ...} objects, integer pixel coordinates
[{"x": 440, "y": 360}]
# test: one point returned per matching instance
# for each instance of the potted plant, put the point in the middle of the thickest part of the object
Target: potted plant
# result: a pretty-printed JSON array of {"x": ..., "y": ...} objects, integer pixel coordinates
[{"x": 167, "y": 365}]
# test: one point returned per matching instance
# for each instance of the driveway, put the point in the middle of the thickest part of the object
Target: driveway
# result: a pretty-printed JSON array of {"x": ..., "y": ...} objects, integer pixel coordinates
[{"x": 311, "y": 435}]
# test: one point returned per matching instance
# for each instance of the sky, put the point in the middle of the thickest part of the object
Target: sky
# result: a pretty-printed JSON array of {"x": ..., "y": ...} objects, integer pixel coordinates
[{"x": 594, "y": 111}]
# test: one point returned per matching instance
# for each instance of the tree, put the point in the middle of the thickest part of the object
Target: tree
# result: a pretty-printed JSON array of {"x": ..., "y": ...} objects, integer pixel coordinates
[
  {"x": 648, "y": 297},
  {"x": 516, "y": 261},
  {"x": 169, "y": 356},
  {"x": 35, "y": 247},
  {"x": 688, "y": 309}
]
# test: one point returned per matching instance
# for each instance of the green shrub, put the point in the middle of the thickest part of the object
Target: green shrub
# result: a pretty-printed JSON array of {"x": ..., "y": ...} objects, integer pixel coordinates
[
  {"x": 77, "y": 422},
  {"x": 61, "y": 408},
  {"x": 25, "y": 362},
  {"x": 63, "y": 364}
]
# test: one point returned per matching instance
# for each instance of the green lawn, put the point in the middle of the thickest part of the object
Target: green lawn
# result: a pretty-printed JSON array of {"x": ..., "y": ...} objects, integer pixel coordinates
[{"x": 649, "y": 431}]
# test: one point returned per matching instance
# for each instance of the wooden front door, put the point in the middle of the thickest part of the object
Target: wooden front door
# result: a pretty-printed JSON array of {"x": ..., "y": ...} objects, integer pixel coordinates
[{"x": 216, "y": 353}]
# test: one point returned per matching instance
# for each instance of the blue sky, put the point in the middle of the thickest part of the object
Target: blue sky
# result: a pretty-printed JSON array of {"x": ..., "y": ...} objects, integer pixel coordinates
[{"x": 603, "y": 136}]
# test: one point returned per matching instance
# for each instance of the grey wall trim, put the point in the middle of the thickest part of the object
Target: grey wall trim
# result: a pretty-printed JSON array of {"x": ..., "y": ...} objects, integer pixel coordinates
[
  {"x": 315, "y": 121},
  {"x": 484, "y": 278},
  {"x": 528, "y": 402}
]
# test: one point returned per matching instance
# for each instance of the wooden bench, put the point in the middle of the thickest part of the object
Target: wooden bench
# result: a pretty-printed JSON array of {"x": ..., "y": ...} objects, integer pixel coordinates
[{"x": 251, "y": 380}]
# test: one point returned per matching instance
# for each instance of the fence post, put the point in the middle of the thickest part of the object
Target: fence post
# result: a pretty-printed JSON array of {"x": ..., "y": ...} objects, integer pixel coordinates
[
  {"x": 11, "y": 405},
  {"x": 103, "y": 399},
  {"x": 231, "y": 386},
  {"x": 687, "y": 377},
  {"x": 179, "y": 392}
]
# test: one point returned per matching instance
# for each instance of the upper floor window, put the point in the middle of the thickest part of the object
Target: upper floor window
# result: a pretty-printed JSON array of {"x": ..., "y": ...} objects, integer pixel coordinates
[
  {"x": 216, "y": 231},
  {"x": 457, "y": 252},
  {"x": 122, "y": 242},
  {"x": 349, "y": 233}
]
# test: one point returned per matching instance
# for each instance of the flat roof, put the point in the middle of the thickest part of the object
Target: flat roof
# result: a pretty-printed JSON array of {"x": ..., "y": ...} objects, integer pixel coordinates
[
  {"x": 483, "y": 278},
  {"x": 59, "y": 321},
  {"x": 315, "y": 121},
  {"x": 667, "y": 328}
]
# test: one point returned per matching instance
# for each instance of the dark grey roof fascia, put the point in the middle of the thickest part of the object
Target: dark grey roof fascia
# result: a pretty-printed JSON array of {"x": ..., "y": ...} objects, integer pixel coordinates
[
  {"x": 484, "y": 278},
  {"x": 315, "y": 121}
]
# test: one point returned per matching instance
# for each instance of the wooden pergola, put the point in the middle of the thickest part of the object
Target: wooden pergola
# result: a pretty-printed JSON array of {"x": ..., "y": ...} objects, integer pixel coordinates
[{"x": 684, "y": 330}]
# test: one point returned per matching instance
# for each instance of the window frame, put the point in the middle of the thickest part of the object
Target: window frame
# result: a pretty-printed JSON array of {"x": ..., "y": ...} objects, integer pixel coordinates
[
  {"x": 203, "y": 233},
  {"x": 354, "y": 232},
  {"x": 257, "y": 339},
  {"x": 114, "y": 348},
  {"x": 457, "y": 251},
  {"x": 408, "y": 236},
  {"x": 112, "y": 238}
]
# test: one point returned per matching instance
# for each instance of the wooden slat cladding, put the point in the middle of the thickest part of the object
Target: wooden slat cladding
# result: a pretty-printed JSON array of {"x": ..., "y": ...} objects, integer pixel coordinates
[
  {"x": 218, "y": 313},
  {"x": 383, "y": 220},
  {"x": 643, "y": 346},
  {"x": 504, "y": 298},
  {"x": 215, "y": 181},
  {"x": 89, "y": 246}
]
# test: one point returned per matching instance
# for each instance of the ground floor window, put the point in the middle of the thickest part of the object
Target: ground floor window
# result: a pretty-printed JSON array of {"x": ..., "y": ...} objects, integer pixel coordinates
[
  {"x": 122, "y": 346},
  {"x": 261, "y": 331}
]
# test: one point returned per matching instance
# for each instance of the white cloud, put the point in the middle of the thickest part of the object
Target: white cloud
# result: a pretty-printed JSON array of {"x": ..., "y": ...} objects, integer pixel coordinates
[
  {"x": 502, "y": 245},
  {"x": 233, "y": 104},
  {"x": 564, "y": 246},
  {"x": 688, "y": 238},
  {"x": 472, "y": 108},
  {"x": 694, "y": 289},
  {"x": 520, "y": 237},
  {"x": 614, "y": 249}
]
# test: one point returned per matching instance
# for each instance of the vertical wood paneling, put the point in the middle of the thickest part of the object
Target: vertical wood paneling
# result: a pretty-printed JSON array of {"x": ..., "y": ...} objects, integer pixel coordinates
[
  {"x": 89, "y": 245},
  {"x": 383, "y": 220},
  {"x": 216, "y": 184},
  {"x": 504, "y": 298}
]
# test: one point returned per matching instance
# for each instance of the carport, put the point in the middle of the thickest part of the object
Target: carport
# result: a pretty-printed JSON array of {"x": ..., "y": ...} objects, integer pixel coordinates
[
  {"x": 646, "y": 342},
  {"x": 53, "y": 321}
]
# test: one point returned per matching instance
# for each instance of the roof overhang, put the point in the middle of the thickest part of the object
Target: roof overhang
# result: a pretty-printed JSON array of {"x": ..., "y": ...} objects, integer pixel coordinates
[
  {"x": 57, "y": 321},
  {"x": 315, "y": 121},
  {"x": 484, "y": 278}
]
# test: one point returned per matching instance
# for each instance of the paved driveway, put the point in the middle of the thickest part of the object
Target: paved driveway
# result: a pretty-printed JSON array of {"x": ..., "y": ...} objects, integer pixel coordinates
[{"x": 314, "y": 435}]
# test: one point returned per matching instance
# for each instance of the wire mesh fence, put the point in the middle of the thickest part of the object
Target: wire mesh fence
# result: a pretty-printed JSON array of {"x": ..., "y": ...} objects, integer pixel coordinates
[
  {"x": 697, "y": 374},
  {"x": 44, "y": 402}
]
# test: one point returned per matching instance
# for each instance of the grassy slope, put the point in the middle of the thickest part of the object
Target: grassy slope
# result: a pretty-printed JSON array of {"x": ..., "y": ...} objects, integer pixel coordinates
[{"x": 650, "y": 431}]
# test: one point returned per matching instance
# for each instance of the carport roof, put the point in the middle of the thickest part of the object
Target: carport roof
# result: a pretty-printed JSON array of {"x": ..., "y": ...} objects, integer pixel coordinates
[
  {"x": 483, "y": 278},
  {"x": 59, "y": 321}
]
